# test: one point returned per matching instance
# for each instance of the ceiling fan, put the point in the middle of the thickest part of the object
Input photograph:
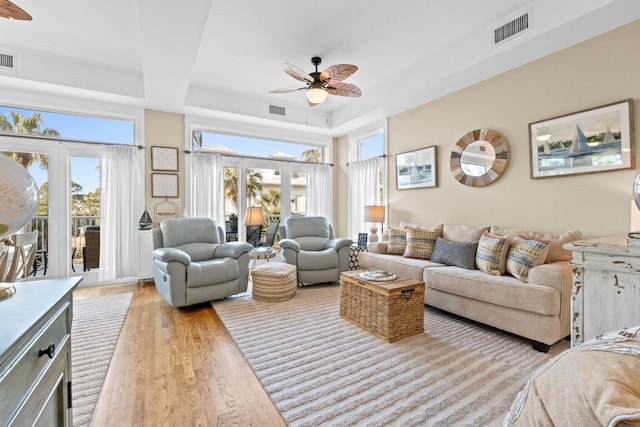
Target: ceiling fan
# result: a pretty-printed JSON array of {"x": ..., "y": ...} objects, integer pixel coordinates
[
  {"x": 10, "y": 10},
  {"x": 319, "y": 85}
]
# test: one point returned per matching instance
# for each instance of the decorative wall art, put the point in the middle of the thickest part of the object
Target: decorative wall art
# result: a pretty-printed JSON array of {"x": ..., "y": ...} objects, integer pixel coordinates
[
  {"x": 164, "y": 185},
  {"x": 599, "y": 139},
  {"x": 416, "y": 169},
  {"x": 164, "y": 159}
]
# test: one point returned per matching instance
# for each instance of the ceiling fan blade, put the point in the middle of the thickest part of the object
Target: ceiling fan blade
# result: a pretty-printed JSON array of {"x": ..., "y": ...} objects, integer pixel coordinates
[
  {"x": 287, "y": 90},
  {"x": 10, "y": 10},
  {"x": 337, "y": 73},
  {"x": 344, "y": 89},
  {"x": 297, "y": 73}
]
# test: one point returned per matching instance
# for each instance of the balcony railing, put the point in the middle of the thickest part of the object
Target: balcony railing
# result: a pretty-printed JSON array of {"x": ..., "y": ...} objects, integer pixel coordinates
[{"x": 41, "y": 223}]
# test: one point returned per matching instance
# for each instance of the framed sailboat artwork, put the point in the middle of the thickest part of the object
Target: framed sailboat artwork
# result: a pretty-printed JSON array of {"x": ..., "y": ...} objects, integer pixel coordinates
[{"x": 599, "y": 139}]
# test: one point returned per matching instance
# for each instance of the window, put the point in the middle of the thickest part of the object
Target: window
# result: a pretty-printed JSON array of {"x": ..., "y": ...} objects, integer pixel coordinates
[
  {"x": 371, "y": 146},
  {"x": 255, "y": 147},
  {"x": 70, "y": 127}
]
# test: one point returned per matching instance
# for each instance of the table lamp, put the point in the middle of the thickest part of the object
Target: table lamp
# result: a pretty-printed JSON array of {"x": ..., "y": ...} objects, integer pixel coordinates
[
  {"x": 254, "y": 218},
  {"x": 374, "y": 214}
]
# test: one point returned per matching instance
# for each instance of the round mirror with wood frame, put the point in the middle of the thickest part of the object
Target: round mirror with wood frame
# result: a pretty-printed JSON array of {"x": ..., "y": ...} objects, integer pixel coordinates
[{"x": 479, "y": 157}]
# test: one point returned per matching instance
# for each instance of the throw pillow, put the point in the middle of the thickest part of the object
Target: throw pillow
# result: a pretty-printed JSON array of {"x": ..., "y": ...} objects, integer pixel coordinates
[
  {"x": 397, "y": 241},
  {"x": 460, "y": 254},
  {"x": 524, "y": 254},
  {"x": 420, "y": 243},
  {"x": 491, "y": 255},
  {"x": 556, "y": 249}
]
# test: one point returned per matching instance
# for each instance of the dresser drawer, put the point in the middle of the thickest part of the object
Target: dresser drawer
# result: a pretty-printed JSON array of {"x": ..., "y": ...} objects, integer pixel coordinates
[{"x": 18, "y": 381}]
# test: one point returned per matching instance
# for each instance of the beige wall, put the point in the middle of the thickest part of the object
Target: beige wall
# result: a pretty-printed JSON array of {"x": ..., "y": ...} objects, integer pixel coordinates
[
  {"x": 164, "y": 130},
  {"x": 596, "y": 72}
]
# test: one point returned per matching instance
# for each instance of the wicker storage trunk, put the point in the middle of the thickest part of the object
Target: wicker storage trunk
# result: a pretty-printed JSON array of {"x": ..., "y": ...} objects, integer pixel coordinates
[{"x": 390, "y": 310}]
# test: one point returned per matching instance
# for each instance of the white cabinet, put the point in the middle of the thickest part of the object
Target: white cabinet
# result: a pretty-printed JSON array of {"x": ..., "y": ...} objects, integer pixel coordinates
[
  {"x": 606, "y": 286},
  {"x": 145, "y": 257}
]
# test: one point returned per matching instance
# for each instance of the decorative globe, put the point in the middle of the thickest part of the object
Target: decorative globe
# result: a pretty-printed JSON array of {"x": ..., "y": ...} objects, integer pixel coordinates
[{"x": 18, "y": 196}]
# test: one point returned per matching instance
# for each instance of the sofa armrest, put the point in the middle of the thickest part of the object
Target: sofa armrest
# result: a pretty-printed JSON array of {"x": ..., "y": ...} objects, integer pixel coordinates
[
  {"x": 557, "y": 275},
  {"x": 172, "y": 254},
  {"x": 289, "y": 244},
  {"x": 338, "y": 243},
  {"x": 232, "y": 250},
  {"x": 378, "y": 247}
]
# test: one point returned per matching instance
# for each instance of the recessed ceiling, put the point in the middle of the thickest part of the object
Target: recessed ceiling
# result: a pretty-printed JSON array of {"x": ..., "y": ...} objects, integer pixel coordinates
[{"x": 221, "y": 58}]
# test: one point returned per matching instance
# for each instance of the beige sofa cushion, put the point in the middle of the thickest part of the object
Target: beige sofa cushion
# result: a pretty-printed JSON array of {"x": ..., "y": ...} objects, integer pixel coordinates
[
  {"x": 505, "y": 291},
  {"x": 405, "y": 267},
  {"x": 556, "y": 250},
  {"x": 424, "y": 227},
  {"x": 463, "y": 233}
]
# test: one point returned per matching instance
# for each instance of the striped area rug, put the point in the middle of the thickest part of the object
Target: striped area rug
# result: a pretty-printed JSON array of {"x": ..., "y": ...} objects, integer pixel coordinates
[
  {"x": 94, "y": 332},
  {"x": 321, "y": 370}
]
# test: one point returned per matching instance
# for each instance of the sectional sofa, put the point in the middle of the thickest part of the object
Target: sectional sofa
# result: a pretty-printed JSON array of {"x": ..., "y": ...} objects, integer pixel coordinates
[{"x": 516, "y": 280}]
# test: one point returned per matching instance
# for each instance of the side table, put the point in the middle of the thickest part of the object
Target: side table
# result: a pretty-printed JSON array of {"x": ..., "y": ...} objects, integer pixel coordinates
[
  {"x": 353, "y": 256},
  {"x": 261, "y": 253}
]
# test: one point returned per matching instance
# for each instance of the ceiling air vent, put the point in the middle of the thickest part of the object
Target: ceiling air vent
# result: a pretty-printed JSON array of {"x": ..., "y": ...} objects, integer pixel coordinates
[
  {"x": 511, "y": 28},
  {"x": 276, "y": 110},
  {"x": 6, "y": 61}
]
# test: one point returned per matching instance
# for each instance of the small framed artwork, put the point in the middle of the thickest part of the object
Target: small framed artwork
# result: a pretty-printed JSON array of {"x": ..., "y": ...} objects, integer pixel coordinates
[
  {"x": 416, "y": 169},
  {"x": 164, "y": 159},
  {"x": 164, "y": 185},
  {"x": 362, "y": 240},
  {"x": 599, "y": 139}
]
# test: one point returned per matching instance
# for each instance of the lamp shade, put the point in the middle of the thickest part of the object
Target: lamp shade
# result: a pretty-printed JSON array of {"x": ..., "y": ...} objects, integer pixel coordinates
[
  {"x": 254, "y": 216},
  {"x": 374, "y": 213},
  {"x": 316, "y": 95}
]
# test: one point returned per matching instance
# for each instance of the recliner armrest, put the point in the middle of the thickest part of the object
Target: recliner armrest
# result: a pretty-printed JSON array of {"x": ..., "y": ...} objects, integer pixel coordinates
[
  {"x": 232, "y": 249},
  {"x": 338, "y": 243},
  {"x": 172, "y": 254},
  {"x": 289, "y": 244}
]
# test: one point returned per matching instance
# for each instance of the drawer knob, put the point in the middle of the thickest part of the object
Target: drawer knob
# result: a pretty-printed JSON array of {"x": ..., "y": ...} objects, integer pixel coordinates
[{"x": 49, "y": 351}]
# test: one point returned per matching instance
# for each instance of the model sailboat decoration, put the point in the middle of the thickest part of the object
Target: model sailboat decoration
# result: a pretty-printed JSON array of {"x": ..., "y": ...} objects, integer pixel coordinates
[{"x": 145, "y": 220}]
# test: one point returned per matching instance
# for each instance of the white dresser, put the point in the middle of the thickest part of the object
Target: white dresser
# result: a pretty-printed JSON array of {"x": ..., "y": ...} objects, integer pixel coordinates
[
  {"x": 35, "y": 353},
  {"x": 606, "y": 286}
]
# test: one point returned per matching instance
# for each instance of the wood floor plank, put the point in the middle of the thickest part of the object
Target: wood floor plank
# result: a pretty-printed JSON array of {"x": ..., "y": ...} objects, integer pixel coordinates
[{"x": 177, "y": 367}]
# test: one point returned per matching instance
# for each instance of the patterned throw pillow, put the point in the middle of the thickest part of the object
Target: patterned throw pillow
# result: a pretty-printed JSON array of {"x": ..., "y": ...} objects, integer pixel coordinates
[
  {"x": 524, "y": 254},
  {"x": 420, "y": 243},
  {"x": 460, "y": 254},
  {"x": 491, "y": 251},
  {"x": 397, "y": 241}
]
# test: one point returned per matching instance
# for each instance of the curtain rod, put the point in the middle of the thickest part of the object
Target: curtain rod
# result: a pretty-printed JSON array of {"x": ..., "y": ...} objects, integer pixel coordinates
[
  {"x": 59, "y": 140},
  {"x": 246, "y": 156},
  {"x": 381, "y": 156}
]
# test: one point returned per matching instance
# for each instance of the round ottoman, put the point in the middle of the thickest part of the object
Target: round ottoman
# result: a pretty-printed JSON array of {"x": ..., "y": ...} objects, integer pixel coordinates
[{"x": 274, "y": 281}]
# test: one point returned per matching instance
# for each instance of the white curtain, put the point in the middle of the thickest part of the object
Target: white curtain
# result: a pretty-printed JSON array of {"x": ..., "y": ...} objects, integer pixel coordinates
[
  {"x": 121, "y": 205},
  {"x": 364, "y": 189},
  {"x": 206, "y": 189},
  {"x": 320, "y": 191}
]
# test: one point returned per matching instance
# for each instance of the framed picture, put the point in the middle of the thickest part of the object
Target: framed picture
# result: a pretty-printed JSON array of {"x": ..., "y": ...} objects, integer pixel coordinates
[
  {"x": 164, "y": 159},
  {"x": 596, "y": 140},
  {"x": 164, "y": 185},
  {"x": 362, "y": 240},
  {"x": 416, "y": 169}
]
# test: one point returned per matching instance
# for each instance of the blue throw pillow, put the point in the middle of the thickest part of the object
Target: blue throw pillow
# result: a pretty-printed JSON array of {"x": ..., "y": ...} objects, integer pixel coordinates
[{"x": 460, "y": 254}]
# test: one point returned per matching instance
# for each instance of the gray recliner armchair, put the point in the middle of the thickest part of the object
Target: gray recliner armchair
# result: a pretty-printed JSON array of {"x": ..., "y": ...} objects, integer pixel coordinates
[
  {"x": 192, "y": 263},
  {"x": 309, "y": 244}
]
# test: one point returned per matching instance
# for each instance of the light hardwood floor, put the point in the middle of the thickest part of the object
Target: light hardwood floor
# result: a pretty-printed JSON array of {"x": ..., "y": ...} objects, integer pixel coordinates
[{"x": 177, "y": 367}]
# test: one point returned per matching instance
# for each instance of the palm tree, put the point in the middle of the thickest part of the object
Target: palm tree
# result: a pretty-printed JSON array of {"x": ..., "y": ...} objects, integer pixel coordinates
[
  {"x": 312, "y": 155},
  {"x": 254, "y": 185},
  {"x": 270, "y": 202},
  {"x": 29, "y": 125}
]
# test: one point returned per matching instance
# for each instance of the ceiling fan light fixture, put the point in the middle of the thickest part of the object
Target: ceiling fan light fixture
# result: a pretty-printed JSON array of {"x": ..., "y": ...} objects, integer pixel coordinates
[{"x": 316, "y": 95}]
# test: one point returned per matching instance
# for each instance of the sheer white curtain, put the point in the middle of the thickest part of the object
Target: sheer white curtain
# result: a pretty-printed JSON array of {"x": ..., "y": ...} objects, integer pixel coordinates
[
  {"x": 206, "y": 189},
  {"x": 364, "y": 189},
  {"x": 121, "y": 205},
  {"x": 320, "y": 191}
]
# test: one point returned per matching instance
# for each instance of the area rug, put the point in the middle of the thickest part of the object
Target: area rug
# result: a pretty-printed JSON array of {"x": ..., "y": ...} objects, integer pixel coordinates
[
  {"x": 95, "y": 329},
  {"x": 321, "y": 370}
]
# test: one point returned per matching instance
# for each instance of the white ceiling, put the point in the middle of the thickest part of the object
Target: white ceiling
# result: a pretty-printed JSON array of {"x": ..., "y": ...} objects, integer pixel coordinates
[{"x": 220, "y": 58}]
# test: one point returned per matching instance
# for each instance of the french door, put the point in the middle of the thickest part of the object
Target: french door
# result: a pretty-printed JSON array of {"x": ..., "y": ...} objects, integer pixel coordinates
[{"x": 68, "y": 179}]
